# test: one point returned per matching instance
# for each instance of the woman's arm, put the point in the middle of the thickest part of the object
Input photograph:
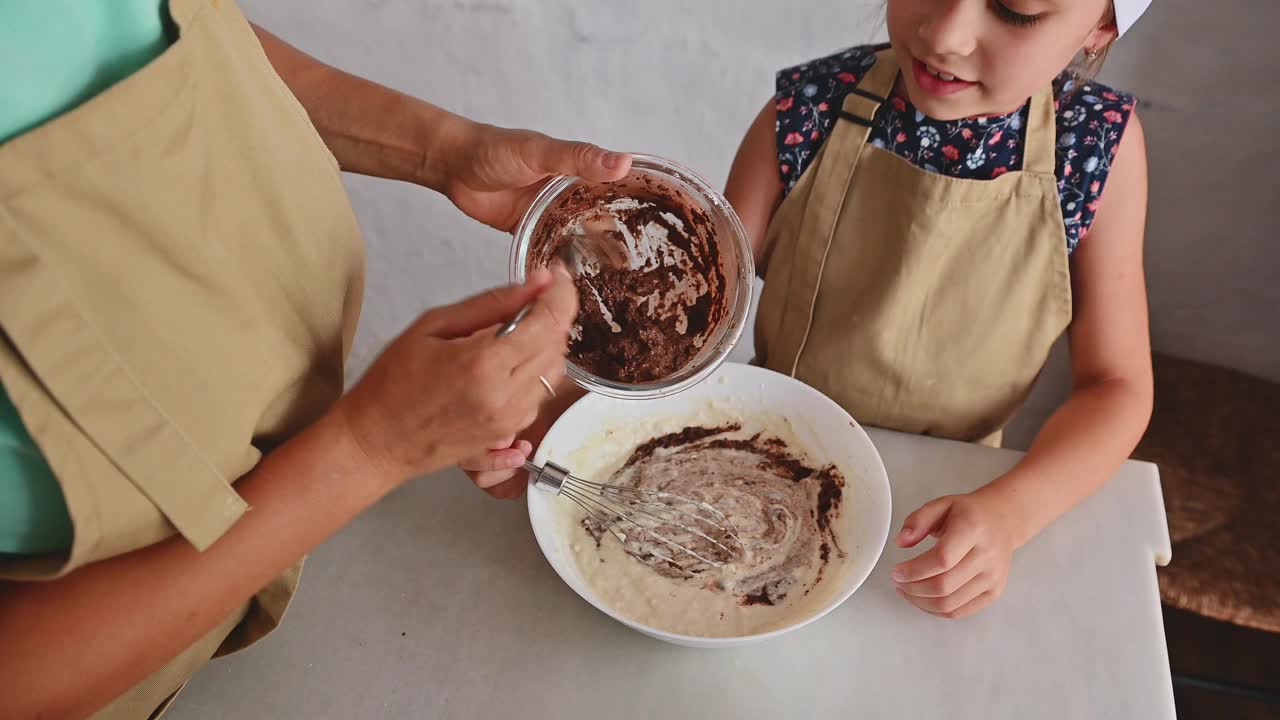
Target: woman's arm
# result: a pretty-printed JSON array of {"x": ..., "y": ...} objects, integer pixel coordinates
[
  {"x": 490, "y": 173},
  {"x": 70, "y": 646},
  {"x": 754, "y": 188},
  {"x": 370, "y": 128},
  {"x": 1083, "y": 443}
]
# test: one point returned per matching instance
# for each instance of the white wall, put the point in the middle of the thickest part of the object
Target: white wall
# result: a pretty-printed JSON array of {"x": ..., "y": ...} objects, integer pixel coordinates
[{"x": 683, "y": 78}]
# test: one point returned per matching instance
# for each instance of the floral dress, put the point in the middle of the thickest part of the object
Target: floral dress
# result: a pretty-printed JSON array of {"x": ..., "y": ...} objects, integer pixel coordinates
[{"x": 1090, "y": 122}]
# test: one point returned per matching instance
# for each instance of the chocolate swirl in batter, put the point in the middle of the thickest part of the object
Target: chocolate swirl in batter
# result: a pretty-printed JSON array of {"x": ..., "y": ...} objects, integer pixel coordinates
[{"x": 780, "y": 507}]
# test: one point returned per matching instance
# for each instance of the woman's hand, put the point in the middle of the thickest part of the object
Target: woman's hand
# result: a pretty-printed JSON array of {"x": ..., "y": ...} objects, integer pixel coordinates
[
  {"x": 967, "y": 567},
  {"x": 448, "y": 388},
  {"x": 492, "y": 174},
  {"x": 498, "y": 470}
]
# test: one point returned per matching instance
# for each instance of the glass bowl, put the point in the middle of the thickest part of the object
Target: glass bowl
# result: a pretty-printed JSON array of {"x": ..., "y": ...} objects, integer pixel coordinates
[{"x": 730, "y": 238}]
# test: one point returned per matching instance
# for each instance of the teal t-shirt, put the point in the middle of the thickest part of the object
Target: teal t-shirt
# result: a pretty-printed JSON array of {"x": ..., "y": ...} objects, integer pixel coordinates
[
  {"x": 33, "y": 513},
  {"x": 55, "y": 55}
]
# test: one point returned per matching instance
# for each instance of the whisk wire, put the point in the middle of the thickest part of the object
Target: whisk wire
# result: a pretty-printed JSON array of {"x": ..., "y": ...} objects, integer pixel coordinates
[
  {"x": 643, "y": 508},
  {"x": 586, "y": 505},
  {"x": 649, "y": 508},
  {"x": 612, "y": 512},
  {"x": 661, "y": 494}
]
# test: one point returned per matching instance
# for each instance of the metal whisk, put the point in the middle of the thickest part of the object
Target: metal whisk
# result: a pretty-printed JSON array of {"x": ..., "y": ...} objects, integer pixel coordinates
[{"x": 652, "y": 525}]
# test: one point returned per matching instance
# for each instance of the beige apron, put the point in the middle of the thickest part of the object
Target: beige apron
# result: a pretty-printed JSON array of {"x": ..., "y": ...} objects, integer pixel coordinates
[
  {"x": 180, "y": 276},
  {"x": 918, "y": 301}
]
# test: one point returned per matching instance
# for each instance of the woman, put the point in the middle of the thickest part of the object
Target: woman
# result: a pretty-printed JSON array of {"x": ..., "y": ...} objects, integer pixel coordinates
[{"x": 180, "y": 275}]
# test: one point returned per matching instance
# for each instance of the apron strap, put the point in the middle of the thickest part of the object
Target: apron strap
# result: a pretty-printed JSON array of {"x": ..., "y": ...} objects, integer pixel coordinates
[
  {"x": 835, "y": 174},
  {"x": 1042, "y": 134}
]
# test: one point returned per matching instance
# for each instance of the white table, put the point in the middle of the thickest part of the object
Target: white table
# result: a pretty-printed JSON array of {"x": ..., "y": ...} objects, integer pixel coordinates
[{"x": 438, "y": 604}]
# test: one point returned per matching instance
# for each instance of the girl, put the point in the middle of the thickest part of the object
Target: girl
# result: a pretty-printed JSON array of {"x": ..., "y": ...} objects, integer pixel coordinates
[
  {"x": 940, "y": 220},
  {"x": 929, "y": 217}
]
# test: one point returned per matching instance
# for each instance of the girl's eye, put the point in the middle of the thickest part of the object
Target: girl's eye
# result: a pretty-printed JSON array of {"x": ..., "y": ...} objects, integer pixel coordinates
[{"x": 1016, "y": 19}]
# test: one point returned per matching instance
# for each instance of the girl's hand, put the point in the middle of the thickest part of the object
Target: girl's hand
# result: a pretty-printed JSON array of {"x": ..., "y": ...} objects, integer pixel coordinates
[{"x": 966, "y": 569}]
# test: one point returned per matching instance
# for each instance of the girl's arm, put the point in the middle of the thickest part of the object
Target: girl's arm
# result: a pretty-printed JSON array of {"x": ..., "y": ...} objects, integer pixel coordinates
[
  {"x": 1087, "y": 439},
  {"x": 754, "y": 188},
  {"x": 1084, "y": 442}
]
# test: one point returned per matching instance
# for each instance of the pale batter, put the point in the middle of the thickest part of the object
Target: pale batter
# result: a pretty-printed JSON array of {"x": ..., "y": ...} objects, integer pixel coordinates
[{"x": 785, "y": 508}]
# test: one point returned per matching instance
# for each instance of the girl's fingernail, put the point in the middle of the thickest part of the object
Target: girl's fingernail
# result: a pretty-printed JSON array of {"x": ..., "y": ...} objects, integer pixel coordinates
[{"x": 897, "y": 575}]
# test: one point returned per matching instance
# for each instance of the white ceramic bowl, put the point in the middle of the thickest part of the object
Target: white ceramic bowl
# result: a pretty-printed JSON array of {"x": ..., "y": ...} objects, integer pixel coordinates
[{"x": 825, "y": 430}]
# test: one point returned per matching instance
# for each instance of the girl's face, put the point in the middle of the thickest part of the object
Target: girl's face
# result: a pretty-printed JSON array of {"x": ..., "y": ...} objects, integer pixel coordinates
[{"x": 963, "y": 58}]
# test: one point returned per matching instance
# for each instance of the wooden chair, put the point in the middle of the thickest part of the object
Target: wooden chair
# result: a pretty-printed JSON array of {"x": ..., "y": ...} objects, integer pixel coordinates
[{"x": 1215, "y": 434}]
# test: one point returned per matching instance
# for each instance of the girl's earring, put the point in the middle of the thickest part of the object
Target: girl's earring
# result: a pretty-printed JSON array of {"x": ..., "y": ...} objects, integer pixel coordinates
[{"x": 1091, "y": 54}]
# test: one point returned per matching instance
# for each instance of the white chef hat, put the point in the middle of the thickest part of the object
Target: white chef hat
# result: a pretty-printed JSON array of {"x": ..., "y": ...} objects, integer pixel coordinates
[{"x": 1128, "y": 12}]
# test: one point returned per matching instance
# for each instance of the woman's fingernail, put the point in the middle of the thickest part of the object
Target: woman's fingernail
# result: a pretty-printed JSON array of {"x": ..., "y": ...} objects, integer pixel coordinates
[
  {"x": 613, "y": 161},
  {"x": 897, "y": 575}
]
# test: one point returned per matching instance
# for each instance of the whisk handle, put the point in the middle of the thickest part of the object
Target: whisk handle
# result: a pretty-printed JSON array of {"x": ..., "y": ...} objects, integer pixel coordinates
[{"x": 550, "y": 476}]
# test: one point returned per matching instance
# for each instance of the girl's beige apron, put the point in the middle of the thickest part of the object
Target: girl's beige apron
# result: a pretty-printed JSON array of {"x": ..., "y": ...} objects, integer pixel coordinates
[
  {"x": 180, "y": 276},
  {"x": 918, "y": 301}
]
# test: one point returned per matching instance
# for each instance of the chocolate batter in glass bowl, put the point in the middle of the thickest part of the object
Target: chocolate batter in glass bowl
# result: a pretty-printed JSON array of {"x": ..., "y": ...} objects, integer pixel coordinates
[{"x": 664, "y": 274}]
